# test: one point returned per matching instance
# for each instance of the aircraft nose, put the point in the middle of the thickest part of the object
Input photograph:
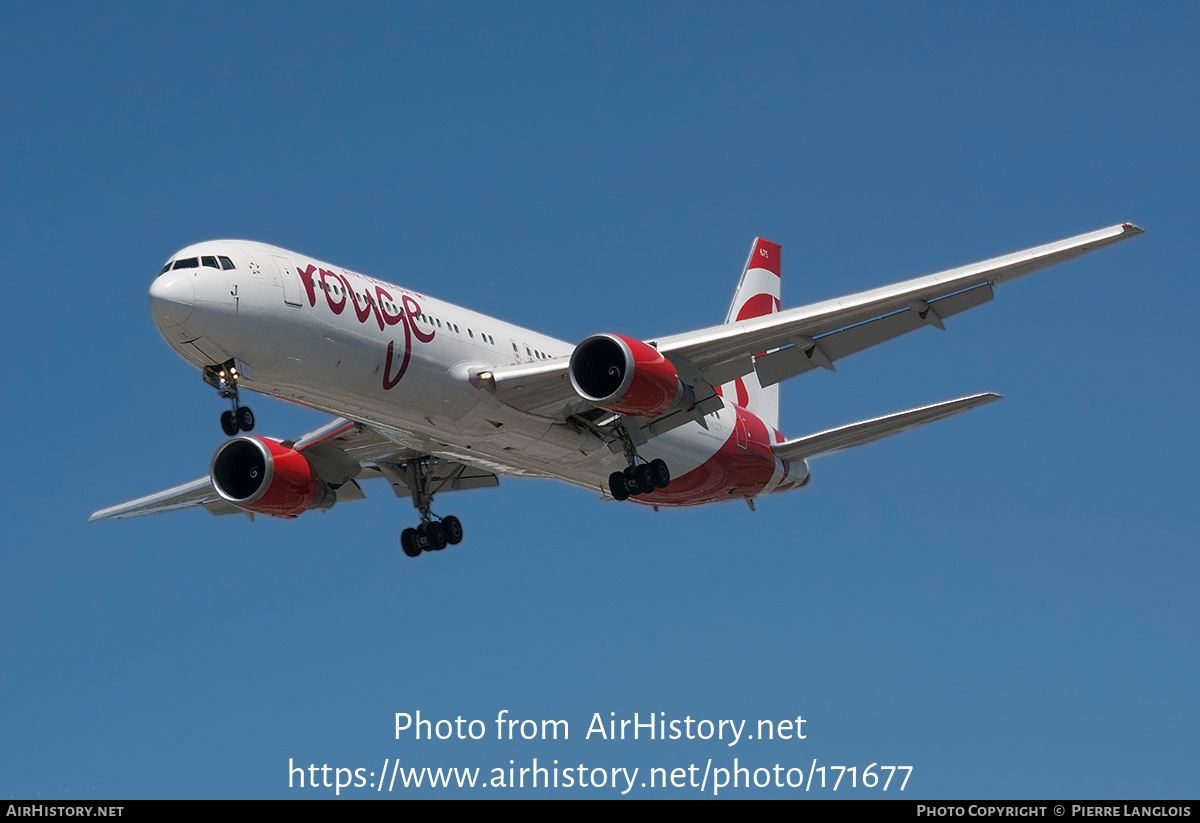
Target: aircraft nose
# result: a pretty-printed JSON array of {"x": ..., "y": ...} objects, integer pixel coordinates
[{"x": 172, "y": 297}]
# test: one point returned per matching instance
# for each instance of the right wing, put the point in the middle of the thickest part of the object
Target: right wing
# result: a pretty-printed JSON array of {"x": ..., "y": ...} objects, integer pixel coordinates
[
  {"x": 785, "y": 344},
  {"x": 814, "y": 336},
  {"x": 341, "y": 453}
]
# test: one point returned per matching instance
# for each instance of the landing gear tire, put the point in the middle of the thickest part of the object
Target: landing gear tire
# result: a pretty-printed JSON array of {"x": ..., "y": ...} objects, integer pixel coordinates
[
  {"x": 644, "y": 476},
  {"x": 435, "y": 533},
  {"x": 228, "y": 423},
  {"x": 631, "y": 483},
  {"x": 662, "y": 475},
  {"x": 616, "y": 485},
  {"x": 408, "y": 542},
  {"x": 454, "y": 531},
  {"x": 245, "y": 418}
]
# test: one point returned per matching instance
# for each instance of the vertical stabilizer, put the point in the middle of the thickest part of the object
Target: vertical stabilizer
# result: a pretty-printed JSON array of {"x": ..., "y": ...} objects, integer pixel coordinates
[{"x": 757, "y": 295}]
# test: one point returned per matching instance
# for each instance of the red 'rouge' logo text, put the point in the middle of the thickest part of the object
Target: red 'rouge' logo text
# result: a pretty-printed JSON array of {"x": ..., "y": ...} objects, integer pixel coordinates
[{"x": 405, "y": 317}]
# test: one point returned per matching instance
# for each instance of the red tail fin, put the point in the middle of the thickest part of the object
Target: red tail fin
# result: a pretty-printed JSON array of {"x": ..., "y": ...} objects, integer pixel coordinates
[{"x": 757, "y": 295}]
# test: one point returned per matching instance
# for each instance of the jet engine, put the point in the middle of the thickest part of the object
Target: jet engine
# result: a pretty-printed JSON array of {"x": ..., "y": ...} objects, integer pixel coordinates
[
  {"x": 266, "y": 477},
  {"x": 623, "y": 375}
]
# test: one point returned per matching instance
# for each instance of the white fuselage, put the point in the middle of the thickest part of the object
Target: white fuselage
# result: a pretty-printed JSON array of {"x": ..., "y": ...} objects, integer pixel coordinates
[{"x": 400, "y": 360}]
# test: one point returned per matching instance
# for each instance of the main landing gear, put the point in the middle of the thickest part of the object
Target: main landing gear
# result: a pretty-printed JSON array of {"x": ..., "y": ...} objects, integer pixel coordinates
[
  {"x": 431, "y": 535},
  {"x": 224, "y": 378},
  {"x": 640, "y": 477}
]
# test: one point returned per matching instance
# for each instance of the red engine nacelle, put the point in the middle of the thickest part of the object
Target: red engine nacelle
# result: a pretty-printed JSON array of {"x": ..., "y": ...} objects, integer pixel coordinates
[
  {"x": 623, "y": 375},
  {"x": 266, "y": 477}
]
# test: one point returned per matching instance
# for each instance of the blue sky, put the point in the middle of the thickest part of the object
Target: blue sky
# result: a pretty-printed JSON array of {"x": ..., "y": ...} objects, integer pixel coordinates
[{"x": 1003, "y": 601}]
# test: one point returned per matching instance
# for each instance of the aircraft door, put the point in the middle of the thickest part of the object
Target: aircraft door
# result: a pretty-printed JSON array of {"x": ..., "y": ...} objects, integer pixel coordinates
[{"x": 291, "y": 281}]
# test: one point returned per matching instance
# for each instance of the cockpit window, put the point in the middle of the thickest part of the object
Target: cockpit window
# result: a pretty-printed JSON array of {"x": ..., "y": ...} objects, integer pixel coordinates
[
  {"x": 187, "y": 263},
  {"x": 209, "y": 260},
  {"x": 226, "y": 263},
  {"x": 166, "y": 268}
]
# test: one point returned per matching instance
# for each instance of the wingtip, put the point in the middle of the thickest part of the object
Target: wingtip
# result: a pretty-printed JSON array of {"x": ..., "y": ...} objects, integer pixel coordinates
[
  {"x": 1131, "y": 229},
  {"x": 980, "y": 399}
]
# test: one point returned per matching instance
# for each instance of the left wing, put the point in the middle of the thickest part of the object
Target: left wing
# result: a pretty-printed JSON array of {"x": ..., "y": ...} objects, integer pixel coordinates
[
  {"x": 197, "y": 493},
  {"x": 341, "y": 453},
  {"x": 785, "y": 344}
]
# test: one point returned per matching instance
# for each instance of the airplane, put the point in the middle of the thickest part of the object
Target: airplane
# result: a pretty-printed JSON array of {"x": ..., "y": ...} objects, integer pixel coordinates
[{"x": 436, "y": 398}]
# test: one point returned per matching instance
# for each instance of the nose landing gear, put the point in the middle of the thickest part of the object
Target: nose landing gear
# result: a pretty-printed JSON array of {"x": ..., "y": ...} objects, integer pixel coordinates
[{"x": 224, "y": 378}]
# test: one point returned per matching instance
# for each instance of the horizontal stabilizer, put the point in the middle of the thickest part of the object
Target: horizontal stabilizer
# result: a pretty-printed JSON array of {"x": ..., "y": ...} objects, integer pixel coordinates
[{"x": 858, "y": 433}]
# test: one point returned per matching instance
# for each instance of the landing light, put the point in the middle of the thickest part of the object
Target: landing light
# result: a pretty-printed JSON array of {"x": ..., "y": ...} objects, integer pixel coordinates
[{"x": 481, "y": 379}]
